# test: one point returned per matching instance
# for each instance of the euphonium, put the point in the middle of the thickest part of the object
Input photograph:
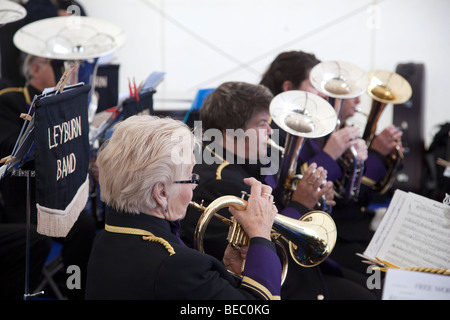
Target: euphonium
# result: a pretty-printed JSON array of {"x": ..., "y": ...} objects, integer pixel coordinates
[
  {"x": 385, "y": 87},
  {"x": 311, "y": 239},
  {"x": 301, "y": 115},
  {"x": 341, "y": 80}
]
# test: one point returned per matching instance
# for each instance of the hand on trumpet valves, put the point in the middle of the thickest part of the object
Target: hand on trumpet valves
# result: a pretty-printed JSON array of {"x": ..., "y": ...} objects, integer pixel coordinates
[
  {"x": 387, "y": 140},
  {"x": 361, "y": 149},
  {"x": 257, "y": 219},
  {"x": 313, "y": 186},
  {"x": 341, "y": 140}
]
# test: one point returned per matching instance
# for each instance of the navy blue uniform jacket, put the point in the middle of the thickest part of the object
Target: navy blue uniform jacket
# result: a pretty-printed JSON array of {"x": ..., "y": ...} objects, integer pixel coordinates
[{"x": 160, "y": 266}]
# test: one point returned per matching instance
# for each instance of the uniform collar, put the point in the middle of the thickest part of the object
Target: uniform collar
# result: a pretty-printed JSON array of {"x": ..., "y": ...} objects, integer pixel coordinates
[{"x": 158, "y": 227}]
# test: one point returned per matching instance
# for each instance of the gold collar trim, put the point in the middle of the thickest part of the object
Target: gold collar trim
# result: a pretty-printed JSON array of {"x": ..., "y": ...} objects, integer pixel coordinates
[{"x": 146, "y": 235}]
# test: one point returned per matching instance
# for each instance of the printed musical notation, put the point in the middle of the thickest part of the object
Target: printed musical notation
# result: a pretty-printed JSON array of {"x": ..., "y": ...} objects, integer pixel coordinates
[{"x": 413, "y": 233}]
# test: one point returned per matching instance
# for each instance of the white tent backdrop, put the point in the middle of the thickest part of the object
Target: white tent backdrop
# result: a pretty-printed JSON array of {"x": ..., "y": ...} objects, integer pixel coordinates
[{"x": 202, "y": 43}]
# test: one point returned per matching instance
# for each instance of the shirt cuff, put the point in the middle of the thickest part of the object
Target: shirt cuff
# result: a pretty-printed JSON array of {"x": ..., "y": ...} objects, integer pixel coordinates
[{"x": 262, "y": 271}]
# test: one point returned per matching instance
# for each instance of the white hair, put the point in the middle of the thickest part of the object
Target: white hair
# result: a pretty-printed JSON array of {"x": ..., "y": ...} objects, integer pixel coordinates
[{"x": 139, "y": 155}]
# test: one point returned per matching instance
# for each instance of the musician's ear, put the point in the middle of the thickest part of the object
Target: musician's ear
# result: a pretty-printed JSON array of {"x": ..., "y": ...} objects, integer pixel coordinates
[
  {"x": 159, "y": 193},
  {"x": 287, "y": 85}
]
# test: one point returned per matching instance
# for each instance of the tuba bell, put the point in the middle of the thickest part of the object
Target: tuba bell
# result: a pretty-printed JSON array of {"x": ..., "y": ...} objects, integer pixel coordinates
[
  {"x": 340, "y": 80},
  {"x": 311, "y": 239},
  {"x": 301, "y": 115},
  {"x": 385, "y": 87}
]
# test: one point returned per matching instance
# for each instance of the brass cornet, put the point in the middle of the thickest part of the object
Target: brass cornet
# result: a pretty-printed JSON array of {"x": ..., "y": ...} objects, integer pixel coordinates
[{"x": 311, "y": 239}]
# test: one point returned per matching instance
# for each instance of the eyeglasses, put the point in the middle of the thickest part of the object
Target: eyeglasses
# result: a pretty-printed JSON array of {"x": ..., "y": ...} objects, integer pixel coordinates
[
  {"x": 195, "y": 179},
  {"x": 44, "y": 61}
]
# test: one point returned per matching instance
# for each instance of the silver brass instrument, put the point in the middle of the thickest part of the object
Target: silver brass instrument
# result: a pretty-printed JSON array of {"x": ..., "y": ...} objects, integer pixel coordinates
[
  {"x": 385, "y": 87},
  {"x": 301, "y": 115},
  {"x": 11, "y": 11},
  {"x": 341, "y": 80},
  {"x": 311, "y": 239}
]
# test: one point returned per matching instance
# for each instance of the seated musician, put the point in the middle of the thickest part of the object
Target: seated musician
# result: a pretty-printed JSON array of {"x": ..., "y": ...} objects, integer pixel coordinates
[
  {"x": 237, "y": 105},
  {"x": 146, "y": 177},
  {"x": 290, "y": 71}
]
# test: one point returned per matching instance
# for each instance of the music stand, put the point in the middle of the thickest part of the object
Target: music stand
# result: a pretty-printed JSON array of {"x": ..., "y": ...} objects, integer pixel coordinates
[{"x": 19, "y": 156}]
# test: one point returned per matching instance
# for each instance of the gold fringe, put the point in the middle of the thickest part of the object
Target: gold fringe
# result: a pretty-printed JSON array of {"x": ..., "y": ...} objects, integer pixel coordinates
[{"x": 57, "y": 223}]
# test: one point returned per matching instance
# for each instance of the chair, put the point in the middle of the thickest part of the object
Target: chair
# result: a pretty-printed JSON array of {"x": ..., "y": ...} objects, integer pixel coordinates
[{"x": 53, "y": 265}]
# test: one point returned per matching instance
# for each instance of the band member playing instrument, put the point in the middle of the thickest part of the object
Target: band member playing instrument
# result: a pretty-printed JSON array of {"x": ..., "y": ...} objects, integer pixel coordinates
[
  {"x": 146, "y": 177},
  {"x": 290, "y": 71},
  {"x": 235, "y": 106}
]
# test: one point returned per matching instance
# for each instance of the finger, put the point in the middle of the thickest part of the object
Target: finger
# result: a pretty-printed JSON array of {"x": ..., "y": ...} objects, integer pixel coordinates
[
  {"x": 323, "y": 178},
  {"x": 255, "y": 186},
  {"x": 266, "y": 191},
  {"x": 324, "y": 191},
  {"x": 397, "y": 135},
  {"x": 350, "y": 143},
  {"x": 310, "y": 170},
  {"x": 243, "y": 251},
  {"x": 319, "y": 177}
]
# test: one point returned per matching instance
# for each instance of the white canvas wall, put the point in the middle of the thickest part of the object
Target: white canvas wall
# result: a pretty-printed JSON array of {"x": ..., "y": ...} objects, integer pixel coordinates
[{"x": 202, "y": 43}]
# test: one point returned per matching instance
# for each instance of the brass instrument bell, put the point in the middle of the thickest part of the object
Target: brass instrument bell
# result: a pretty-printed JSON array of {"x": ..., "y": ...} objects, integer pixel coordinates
[
  {"x": 301, "y": 115},
  {"x": 385, "y": 87}
]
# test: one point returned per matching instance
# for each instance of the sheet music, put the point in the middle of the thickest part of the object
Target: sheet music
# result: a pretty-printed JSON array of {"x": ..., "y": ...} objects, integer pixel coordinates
[
  {"x": 413, "y": 233},
  {"x": 386, "y": 224},
  {"x": 153, "y": 80}
]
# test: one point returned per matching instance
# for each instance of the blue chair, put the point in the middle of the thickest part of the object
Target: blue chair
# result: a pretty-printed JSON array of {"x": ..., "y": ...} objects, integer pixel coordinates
[
  {"x": 192, "y": 113},
  {"x": 53, "y": 265}
]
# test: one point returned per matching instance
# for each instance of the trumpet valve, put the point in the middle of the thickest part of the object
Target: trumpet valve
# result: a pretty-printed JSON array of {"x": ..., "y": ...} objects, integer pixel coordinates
[{"x": 237, "y": 237}]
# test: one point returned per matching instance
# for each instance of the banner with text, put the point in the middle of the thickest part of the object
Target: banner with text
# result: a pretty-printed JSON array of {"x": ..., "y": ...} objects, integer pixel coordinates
[{"x": 61, "y": 159}]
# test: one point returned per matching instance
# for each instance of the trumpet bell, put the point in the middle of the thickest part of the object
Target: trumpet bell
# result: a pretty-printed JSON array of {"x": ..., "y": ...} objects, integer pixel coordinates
[
  {"x": 303, "y": 114},
  {"x": 339, "y": 79},
  {"x": 388, "y": 87},
  {"x": 311, "y": 239}
]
